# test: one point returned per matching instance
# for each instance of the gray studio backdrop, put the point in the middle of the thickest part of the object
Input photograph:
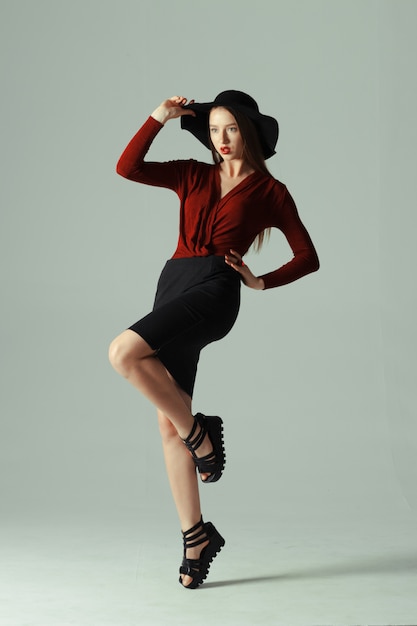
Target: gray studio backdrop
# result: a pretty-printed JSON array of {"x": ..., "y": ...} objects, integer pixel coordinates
[{"x": 316, "y": 381}]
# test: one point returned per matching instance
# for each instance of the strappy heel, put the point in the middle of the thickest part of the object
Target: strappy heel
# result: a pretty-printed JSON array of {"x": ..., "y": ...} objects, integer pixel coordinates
[
  {"x": 214, "y": 462},
  {"x": 198, "y": 569}
]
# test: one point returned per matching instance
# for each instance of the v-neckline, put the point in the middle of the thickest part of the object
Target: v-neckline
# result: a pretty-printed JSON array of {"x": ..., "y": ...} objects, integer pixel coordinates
[{"x": 233, "y": 189}]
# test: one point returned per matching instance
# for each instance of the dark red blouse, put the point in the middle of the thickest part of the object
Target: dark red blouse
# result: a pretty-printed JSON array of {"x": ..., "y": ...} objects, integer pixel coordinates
[{"x": 210, "y": 225}]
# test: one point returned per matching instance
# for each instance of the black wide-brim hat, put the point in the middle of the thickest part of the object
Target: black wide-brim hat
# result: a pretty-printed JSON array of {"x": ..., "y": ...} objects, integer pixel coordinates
[{"x": 266, "y": 126}]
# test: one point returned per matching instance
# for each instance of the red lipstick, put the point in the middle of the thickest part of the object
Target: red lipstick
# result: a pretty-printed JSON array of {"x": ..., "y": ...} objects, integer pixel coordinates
[{"x": 225, "y": 150}]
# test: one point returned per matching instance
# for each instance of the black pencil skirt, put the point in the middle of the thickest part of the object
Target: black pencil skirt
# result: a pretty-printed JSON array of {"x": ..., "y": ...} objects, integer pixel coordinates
[{"x": 197, "y": 302}]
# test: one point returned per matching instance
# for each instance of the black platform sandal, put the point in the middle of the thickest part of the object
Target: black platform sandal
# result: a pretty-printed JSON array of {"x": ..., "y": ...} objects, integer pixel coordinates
[
  {"x": 198, "y": 569},
  {"x": 214, "y": 462}
]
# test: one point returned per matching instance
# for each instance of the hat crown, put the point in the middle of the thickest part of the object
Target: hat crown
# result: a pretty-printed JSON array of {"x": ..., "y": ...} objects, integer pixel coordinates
[{"x": 233, "y": 97}]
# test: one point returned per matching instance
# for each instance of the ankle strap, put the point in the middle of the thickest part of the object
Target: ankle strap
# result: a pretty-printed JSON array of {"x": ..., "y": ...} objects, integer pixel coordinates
[
  {"x": 193, "y": 529},
  {"x": 194, "y": 444},
  {"x": 195, "y": 535}
]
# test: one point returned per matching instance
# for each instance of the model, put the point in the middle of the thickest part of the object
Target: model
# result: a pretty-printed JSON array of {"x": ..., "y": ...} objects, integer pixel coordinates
[{"x": 225, "y": 208}]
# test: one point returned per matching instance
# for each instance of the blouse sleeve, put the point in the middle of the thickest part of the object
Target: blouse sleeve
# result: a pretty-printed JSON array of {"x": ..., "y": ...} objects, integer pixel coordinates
[
  {"x": 305, "y": 259},
  {"x": 131, "y": 164}
]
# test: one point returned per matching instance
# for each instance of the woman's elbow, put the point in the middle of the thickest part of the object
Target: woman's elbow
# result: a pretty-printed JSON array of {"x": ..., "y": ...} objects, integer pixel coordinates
[
  {"x": 310, "y": 261},
  {"x": 129, "y": 169},
  {"x": 122, "y": 170},
  {"x": 315, "y": 262}
]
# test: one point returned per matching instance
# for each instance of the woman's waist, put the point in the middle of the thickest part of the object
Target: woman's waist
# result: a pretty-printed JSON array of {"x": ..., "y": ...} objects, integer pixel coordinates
[
  {"x": 214, "y": 249},
  {"x": 201, "y": 269}
]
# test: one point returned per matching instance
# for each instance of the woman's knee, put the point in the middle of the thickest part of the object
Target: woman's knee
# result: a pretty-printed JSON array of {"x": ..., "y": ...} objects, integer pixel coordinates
[
  {"x": 126, "y": 350},
  {"x": 117, "y": 355}
]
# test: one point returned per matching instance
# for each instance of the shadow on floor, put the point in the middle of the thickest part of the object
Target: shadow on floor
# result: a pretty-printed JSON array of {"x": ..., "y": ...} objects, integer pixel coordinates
[{"x": 384, "y": 564}]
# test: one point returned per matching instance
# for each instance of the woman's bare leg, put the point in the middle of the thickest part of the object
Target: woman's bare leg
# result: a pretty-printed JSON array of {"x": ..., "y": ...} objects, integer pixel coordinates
[
  {"x": 182, "y": 478},
  {"x": 134, "y": 359}
]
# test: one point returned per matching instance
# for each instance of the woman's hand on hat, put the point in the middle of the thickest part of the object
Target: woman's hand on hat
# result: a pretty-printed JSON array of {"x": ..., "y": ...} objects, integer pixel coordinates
[
  {"x": 172, "y": 108},
  {"x": 250, "y": 280}
]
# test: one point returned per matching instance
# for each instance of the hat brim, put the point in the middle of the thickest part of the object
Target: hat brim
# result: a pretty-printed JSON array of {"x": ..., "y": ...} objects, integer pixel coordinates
[{"x": 267, "y": 127}]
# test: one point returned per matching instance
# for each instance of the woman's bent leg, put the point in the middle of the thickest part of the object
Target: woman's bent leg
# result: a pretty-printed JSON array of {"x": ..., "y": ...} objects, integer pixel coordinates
[{"x": 134, "y": 359}]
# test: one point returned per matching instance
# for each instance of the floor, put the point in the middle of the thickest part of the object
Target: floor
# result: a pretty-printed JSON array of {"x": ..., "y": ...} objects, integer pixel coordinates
[{"x": 87, "y": 572}]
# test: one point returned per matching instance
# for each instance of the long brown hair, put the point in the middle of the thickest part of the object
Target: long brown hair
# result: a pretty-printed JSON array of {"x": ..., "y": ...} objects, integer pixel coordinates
[{"x": 252, "y": 154}]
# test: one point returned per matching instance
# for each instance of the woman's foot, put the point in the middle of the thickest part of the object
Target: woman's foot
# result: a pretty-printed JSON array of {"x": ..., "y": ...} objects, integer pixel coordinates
[
  {"x": 205, "y": 443},
  {"x": 193, "y": 553},
  {"x": 201, "y": 544},
  {"x": 205, "y": 449}
]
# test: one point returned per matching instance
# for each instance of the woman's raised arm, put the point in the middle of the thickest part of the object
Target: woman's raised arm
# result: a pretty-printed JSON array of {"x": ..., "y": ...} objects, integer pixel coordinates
[{"x": 131, "y": 164}]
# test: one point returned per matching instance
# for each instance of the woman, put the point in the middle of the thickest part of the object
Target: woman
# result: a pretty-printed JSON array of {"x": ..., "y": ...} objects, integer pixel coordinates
[{"x": 224, "y": 209}]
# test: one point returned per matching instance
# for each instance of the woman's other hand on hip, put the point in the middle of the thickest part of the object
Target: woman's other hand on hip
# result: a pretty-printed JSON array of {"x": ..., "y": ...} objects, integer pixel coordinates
[{"x": 250, "y": 280}]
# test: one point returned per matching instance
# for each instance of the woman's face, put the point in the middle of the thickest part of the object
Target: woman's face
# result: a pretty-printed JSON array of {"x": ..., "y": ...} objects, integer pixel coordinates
[{"x": 225, "y": 134}]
